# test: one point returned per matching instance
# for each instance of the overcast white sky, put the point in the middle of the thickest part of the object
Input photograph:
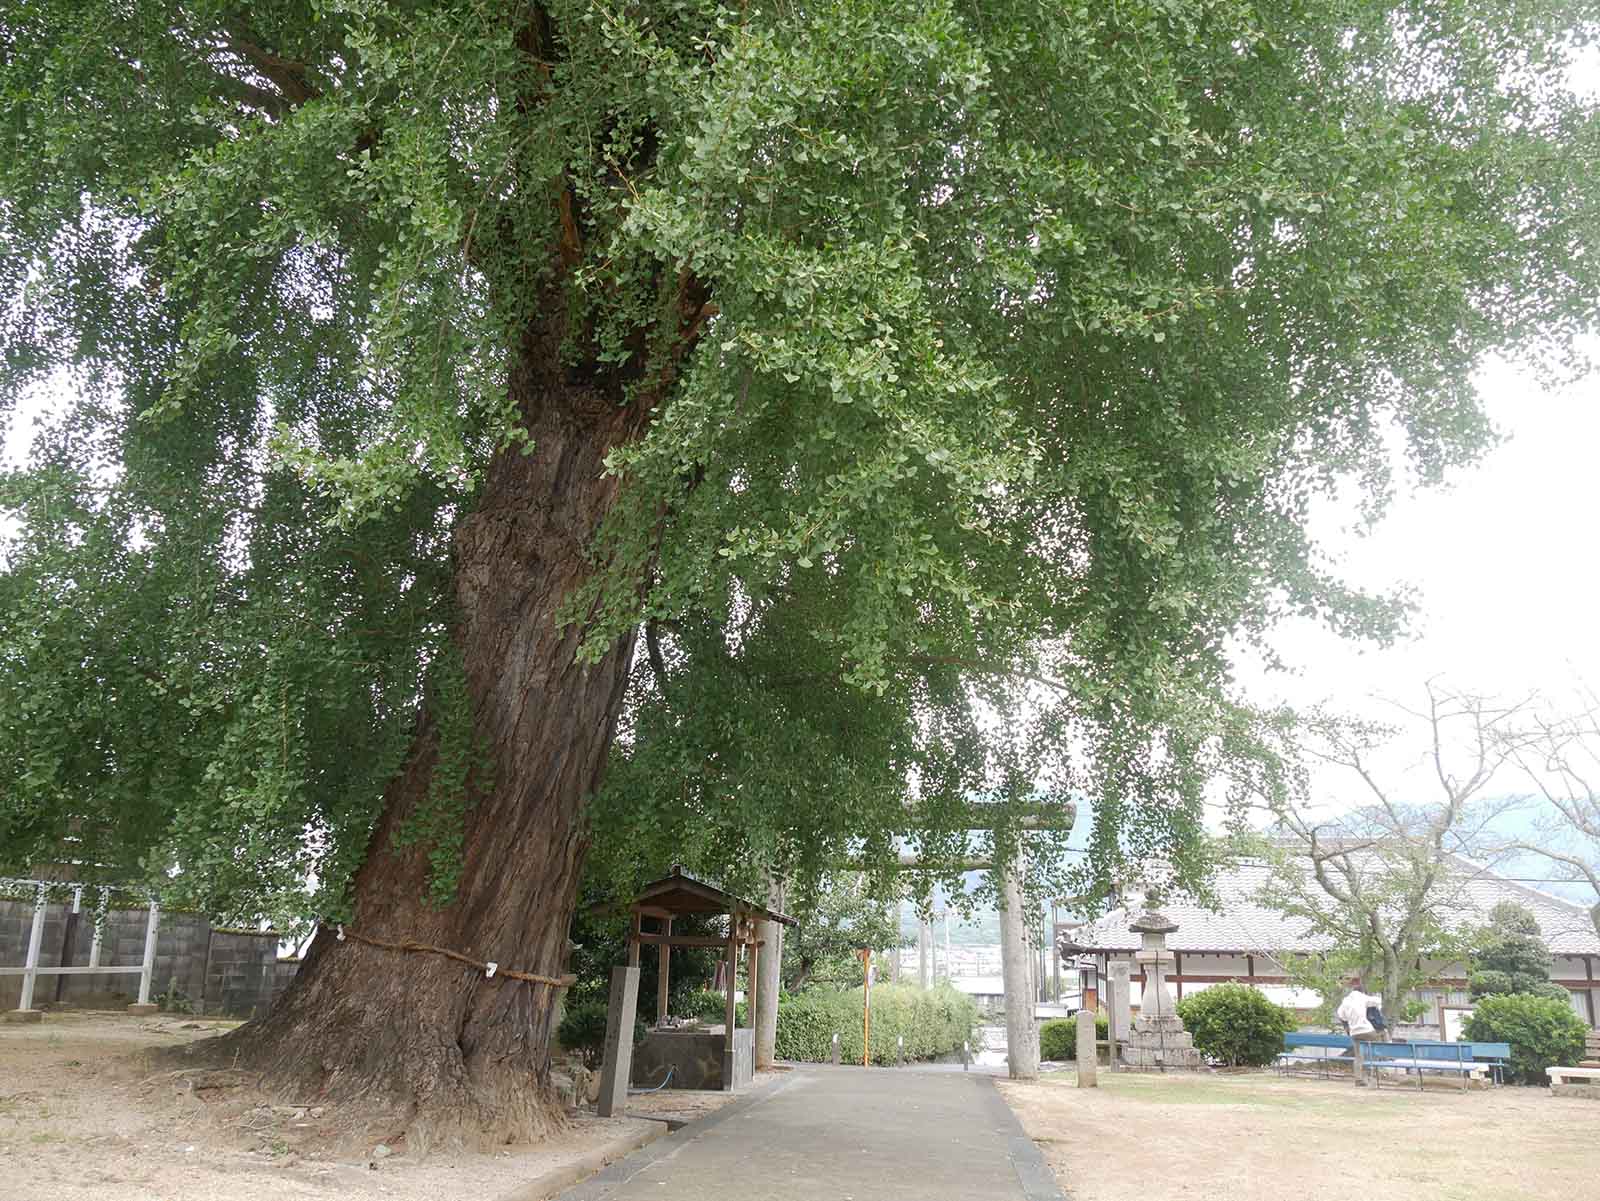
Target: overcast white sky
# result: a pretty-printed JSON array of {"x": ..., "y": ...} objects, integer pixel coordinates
[
  {"x": 1505, "y": 562},
  {"x": 1506, "y": 566}
]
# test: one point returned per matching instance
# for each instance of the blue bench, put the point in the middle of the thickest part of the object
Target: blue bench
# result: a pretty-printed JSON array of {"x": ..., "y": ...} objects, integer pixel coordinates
[
  {"x": 1496, "y": 1055},
  {"x": 1297, "y": 1047},
  {"x": 1464, "y": 1060}
]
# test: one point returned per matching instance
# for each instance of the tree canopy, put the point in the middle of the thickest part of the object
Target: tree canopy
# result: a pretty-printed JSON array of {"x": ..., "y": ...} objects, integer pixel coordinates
[{"x": 989, "y": 358}]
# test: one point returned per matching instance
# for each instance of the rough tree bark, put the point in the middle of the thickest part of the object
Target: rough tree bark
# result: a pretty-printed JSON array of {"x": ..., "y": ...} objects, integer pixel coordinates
[{"x": 459, "y": 1056}]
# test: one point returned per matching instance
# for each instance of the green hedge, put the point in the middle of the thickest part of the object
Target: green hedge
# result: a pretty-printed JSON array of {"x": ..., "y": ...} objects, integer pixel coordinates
[
  {"x": 933, "y": 1022},
  {"x": 1235, "y": 1024},
  {"x": 1542, "y": 1032},
  {"x": 1058, "y": 1038}
]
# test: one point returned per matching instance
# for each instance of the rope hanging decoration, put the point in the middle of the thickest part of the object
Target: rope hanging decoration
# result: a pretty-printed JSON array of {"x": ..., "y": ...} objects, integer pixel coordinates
[{"x": 490, "y": 970}]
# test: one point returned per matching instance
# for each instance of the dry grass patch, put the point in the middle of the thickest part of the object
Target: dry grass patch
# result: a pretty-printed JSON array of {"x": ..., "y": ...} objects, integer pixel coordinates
[{"x": 1259, "y": 1136}]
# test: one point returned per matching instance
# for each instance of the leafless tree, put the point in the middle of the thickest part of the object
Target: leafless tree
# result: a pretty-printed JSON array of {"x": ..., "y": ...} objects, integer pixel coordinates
[
  {"x": 1380, "y": 879},
  {"x": 1560, "y": 756}
]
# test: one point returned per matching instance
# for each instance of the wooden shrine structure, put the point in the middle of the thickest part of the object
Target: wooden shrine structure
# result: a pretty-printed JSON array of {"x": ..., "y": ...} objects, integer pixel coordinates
[{"x": 697, "y": 1059}]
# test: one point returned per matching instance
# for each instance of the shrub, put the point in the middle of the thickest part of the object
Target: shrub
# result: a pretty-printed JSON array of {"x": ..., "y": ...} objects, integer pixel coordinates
[
  {"x": 1552, "y": 991},
  {"x": 1235, "y": 1024},
  {"x": 1542, "y": 1031},
  {"x": 933, "y": 1022},
  {"x": 1494, "y": 983},
  {"x": 585, "y": 991},
  {"x": 583, "y": 1029},
  {"x": 1058, "y": 1038},
  {"x": 703, "y": 1003}
]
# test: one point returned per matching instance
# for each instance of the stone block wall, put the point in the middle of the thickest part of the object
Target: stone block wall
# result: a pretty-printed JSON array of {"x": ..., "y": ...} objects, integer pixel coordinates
[
  {"x": 694, "y": 1057},
  {"x": 212, "y": 970},
  {"x": 244, "y": 974}
]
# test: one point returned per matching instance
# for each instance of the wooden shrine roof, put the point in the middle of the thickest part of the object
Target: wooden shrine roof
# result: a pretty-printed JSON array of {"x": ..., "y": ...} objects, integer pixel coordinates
[{"x": 681, "y": 893}]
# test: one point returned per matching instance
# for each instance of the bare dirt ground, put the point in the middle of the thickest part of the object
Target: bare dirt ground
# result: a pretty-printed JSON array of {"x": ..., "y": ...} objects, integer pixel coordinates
[
  {"x": 1256, "y": 1136},
  {"x": 84, "y": 1116}
]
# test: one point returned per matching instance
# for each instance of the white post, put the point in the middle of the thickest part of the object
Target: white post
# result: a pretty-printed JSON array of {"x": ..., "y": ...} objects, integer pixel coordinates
[
  {"x": 99, "y": 929},
  {"x": 143, "y": 1005},
  {"x": 35, "y": 938}
]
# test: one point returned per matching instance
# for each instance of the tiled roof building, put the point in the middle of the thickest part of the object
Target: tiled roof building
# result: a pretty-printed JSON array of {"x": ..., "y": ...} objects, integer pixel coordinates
[{"x": 1246, "y": 939}]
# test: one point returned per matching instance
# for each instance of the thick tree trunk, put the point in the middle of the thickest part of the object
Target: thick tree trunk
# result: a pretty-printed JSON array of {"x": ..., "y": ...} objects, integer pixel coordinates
[{"x": 457, "y": 1056}]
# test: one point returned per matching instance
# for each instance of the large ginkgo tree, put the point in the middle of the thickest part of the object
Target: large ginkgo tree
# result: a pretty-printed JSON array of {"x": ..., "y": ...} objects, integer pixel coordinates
[{"x": 819, "y": 414}]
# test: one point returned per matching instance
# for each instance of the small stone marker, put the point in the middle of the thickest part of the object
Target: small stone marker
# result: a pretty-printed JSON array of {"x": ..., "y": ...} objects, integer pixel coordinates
[
  {"x": 1088, "y": 1057},
  {"x": 966, "y": 1056},
  {"x": 900, "y": 1051},
  {"x": 619, "y": 1041},
  {"x": 835, "y": 1050}
]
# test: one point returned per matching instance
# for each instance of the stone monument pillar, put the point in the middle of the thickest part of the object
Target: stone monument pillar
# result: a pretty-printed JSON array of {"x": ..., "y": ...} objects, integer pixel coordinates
[
  {"x": 1121, "y": 1012},
  {"x": 1158, "y": 1039}
]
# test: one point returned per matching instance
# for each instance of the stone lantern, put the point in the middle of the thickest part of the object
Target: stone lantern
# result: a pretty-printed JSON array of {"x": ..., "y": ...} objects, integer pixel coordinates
[{"x": 1158, "y": 1039}]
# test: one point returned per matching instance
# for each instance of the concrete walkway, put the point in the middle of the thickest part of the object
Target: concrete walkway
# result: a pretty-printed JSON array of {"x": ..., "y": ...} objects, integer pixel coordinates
[{"x": 842, "y": 1134}]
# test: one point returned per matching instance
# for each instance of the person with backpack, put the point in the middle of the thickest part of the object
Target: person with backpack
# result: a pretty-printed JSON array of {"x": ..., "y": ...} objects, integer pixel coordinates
[{"x": 1362, "y": 1016}]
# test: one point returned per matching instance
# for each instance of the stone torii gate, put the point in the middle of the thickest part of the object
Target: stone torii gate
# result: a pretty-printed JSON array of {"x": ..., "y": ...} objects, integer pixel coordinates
[{"x": 1016, "y": 959}]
